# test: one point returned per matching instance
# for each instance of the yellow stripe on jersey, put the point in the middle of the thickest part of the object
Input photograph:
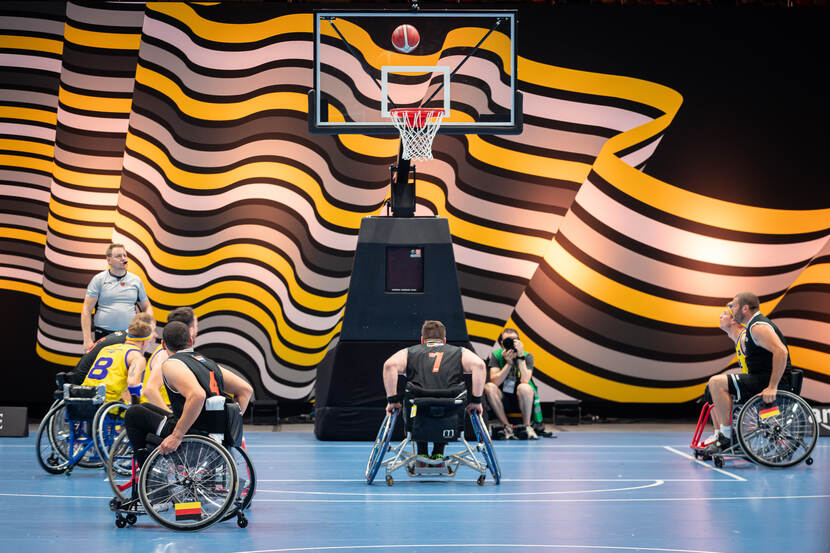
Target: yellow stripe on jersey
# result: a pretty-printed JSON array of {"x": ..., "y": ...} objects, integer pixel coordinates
[{"x": 162, "y": 389}]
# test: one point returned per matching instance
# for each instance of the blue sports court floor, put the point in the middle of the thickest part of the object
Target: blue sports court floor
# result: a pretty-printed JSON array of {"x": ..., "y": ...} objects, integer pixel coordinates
[{"x": 580, "y": 492}]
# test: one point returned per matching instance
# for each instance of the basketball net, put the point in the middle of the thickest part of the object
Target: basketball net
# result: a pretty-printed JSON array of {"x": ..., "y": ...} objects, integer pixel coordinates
[{"x": 418, "y": 127}]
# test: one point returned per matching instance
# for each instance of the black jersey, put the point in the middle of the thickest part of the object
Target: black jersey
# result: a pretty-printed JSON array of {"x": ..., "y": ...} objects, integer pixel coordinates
[
  {"x": 207, "y": 373},
  {"x": 82, "y": 368},
  {"x": 434, "y": 365},
  {"x": 758, "y": 359}
]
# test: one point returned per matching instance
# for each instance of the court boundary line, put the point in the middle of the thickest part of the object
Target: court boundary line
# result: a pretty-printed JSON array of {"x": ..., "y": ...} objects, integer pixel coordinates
[{"x": 700, "y": 462}]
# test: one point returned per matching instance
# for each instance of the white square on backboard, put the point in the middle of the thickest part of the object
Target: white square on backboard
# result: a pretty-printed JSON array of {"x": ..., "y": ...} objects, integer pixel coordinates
[{"x": 386, "y": 69}]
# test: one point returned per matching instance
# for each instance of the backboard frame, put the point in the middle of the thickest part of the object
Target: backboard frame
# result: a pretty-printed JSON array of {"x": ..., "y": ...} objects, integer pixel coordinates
[{"x": 317, "y": 126}]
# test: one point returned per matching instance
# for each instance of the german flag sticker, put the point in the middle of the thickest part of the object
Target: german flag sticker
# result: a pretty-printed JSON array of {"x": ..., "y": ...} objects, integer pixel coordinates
[
  {"x": 771, "y": 412},
  {"x": 188, "y": 511}
]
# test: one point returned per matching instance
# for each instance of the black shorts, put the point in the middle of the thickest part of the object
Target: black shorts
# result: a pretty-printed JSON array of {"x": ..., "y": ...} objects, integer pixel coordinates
[{"x": 743, "y": 386}]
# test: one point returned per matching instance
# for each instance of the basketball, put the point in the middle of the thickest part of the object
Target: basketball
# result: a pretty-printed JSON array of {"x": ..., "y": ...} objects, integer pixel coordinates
[{"x": 405, "y": 38}]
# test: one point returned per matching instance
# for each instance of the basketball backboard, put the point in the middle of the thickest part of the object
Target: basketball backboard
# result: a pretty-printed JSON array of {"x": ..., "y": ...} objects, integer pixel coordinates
[{"x": 464, "y": 63}]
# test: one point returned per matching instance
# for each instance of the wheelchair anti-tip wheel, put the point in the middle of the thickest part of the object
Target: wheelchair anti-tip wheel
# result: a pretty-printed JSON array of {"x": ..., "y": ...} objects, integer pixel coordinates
[
  {"x": 781, "y": 434},
  {"x": 108, "y": 422},
  {"x": 483, "y": 438},
  {"x": 190, "y": 488},
  {"x": 381, "y": 446},
  {"x": 120, "y": 467}
]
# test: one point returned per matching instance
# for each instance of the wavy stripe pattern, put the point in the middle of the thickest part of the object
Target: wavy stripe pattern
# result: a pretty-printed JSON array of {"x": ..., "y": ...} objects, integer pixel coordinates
[
  {"x": 185, "y": 136},
  {"x": 31, "y": 44}
]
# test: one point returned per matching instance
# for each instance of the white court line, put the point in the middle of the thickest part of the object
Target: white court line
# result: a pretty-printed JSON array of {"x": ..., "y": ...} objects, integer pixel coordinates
[
  {"x": 513, "y": 480},
  {"x": 505, "y": 547},
  {"x": 379, "y": 499},
  {"x": 371, "y": 499},
  {"x": 708, "y": 466},
  {"x": 652, "y": 483}
]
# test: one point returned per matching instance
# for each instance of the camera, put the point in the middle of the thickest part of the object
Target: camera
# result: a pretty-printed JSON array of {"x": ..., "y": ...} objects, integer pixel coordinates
[{"x": 508, "y": 343}]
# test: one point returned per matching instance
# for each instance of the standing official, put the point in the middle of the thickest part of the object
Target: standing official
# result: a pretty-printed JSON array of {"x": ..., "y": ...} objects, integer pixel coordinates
[{"x": 116, "y": 295}]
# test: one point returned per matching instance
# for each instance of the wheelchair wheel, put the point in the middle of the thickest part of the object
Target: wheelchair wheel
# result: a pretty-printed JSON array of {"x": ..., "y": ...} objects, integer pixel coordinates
[
  {"x": 381, "y": 445},
  {"x": 49, "y": 457},
  {"x": 246, "y": 487},
  {"x": 779, "y": 435},
  {"x": 120, "y": 467},
  {"x": 108, "y": 422},
  {"x": 490, "y": 454},
  {"x": 190, "y": 488},
  {"x": 62, "y": 431}
]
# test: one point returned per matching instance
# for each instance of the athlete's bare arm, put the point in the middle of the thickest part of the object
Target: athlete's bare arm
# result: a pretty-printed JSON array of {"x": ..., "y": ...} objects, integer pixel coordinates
[
  {"x": 472, "y": 363},
  {"x": 766, "y": 337},
  {"x": 183, "y": 381},
  {"x": 238, "y": 386},
  {"x": 392, "y": 367}
]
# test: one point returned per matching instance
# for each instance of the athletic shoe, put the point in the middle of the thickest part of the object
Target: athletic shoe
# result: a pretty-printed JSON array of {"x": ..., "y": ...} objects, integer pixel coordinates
[
  {"x": 718, "y": 446},
  {"x": 508, "y": 433},
  {"x": 522, "y": 432},
  {"x": 531, "y": 434},
  {"x": 436, "y": 457},
  {"x": 711, "y": 438}
]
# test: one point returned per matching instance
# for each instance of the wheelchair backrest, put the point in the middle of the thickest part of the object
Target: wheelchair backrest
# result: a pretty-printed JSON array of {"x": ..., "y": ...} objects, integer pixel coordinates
[{"x": 83, "y": 401}]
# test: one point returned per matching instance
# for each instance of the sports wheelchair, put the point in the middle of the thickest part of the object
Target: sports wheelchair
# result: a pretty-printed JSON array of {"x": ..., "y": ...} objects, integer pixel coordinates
[
  {"x": 209, "y": 478},
  {"x": 78, "y": 429},
  {"x": 432, "y": 416},
  {"x": 781, "y": 434}
]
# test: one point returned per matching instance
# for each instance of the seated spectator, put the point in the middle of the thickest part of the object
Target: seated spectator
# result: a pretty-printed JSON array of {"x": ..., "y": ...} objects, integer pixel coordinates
[{"x": 511, "y": 385}]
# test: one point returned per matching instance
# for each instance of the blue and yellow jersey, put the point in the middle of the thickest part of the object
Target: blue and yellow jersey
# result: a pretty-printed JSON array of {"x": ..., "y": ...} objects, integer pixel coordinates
[
  {"x": 162, "y": 389},
  {"x": 740, "y": 350},
  {"x": 110, "y": 369}
]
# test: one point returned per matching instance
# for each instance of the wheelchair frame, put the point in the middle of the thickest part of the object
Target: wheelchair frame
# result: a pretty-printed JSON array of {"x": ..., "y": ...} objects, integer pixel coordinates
[
  {"x": 123, "y": 474},
  {"x": 76, "y": 445},
  {"x": 445, "y": 467},
  {"x": 776, "y": 442}
]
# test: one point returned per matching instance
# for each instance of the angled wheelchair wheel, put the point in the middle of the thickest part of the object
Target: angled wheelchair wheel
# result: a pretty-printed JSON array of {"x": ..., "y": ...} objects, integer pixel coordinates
[
  {"x": 381, "y": 445},
  {"x": 70, "y": 437},
  {"x": 48, "y": 456},
  {"x": 190, "y": 488},
  {"x": 483, "y": 438},
  {"x": 108, "y": 422},
  {"x": 120, "y": 467},
  {"x": 246, "y": 486},
  {"x": 778, "y": 435}
]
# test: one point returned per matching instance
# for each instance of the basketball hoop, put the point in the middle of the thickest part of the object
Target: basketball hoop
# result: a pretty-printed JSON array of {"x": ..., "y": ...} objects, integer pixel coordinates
[{"x": 418, "y": 127}]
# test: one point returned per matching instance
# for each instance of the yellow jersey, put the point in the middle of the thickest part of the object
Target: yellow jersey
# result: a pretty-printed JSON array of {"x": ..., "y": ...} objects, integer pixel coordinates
[
  {"x": 162, "y": 389},
  {"x": 110, "y": 369},
  {"x": 740, "y": 350}
]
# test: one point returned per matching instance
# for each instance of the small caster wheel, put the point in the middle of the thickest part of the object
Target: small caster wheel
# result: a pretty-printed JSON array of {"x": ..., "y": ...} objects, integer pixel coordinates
[
  {"x": 809, "y": 461},
  {"x": 68, "y": 471},
  {"x": 389, "y": 480},
  {"x": 131, "y": 519},
  {"x": 241, "y": 520},
  {"x": 698, "y": 454},
  {"x": 718, "y": 462},
  {"x": 480, "y": 480},
  {"x": 115, "y": 503},
  {"x": 120, "y": 522}
]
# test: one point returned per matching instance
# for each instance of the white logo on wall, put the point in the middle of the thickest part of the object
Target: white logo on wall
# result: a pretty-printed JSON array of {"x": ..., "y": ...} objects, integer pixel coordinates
[
  {"x": 449, "y": 433},
  {"x": 822, "y": 413}
]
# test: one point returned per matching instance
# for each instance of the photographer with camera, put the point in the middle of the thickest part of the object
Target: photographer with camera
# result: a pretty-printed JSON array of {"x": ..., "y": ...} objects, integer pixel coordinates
[{"x": 510, "y": 386}]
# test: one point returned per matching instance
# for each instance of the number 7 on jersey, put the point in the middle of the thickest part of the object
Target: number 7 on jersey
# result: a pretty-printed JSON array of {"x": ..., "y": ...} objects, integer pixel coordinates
[{"x": 438, "y": 355}]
